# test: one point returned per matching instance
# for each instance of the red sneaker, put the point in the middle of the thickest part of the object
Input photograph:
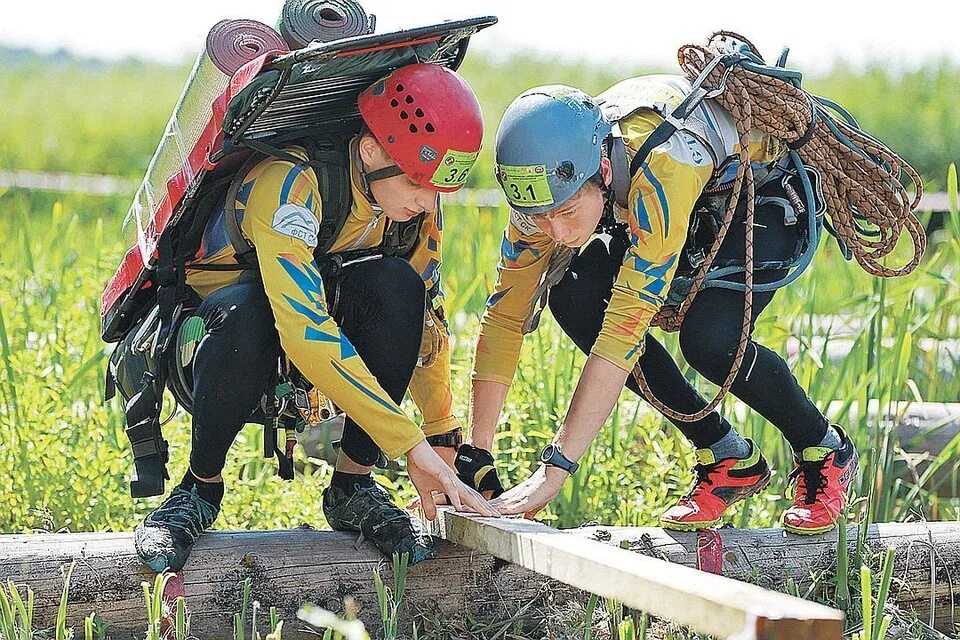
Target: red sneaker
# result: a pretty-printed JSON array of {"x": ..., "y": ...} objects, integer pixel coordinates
[
  {"x": 719, "y": 484},
  {"x": 823, "y": 477}
]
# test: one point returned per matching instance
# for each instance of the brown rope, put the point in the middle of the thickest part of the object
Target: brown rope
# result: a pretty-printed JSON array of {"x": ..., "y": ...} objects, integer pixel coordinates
[{"x": 852, "y": 183}]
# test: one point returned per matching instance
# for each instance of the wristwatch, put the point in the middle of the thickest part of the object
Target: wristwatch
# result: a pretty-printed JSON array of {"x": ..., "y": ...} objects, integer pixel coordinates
[{"x": 553, "y": 456}]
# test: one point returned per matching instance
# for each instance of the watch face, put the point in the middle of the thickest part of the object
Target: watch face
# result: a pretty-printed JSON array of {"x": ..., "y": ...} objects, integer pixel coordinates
[{"x": 547, "y": 454}]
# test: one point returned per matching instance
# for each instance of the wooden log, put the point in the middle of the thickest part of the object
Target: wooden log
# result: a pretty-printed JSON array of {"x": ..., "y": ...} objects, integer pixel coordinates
[
  {"x": 287, "y": 569},
  {"x": 290, "y": 568},
  {"x": 926, "y": 565},
  {"x": 705, "y": 602}
]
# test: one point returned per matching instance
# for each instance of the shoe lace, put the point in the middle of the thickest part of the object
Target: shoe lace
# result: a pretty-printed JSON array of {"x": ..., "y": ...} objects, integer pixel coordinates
[
  {"x": 382, "y": 514},
  {"x": 809, "y": 478},
  {"x": 186, "y": 511},
  {"x": 702, "y": 473}
]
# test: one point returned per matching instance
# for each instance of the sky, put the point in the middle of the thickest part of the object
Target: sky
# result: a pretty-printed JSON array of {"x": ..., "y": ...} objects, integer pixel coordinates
[{"x": 819, "y": 33}]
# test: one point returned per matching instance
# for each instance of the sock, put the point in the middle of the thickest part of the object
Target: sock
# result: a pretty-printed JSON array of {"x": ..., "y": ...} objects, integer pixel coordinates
[
  {"x": 831, "y": 439},
  {"x": 347, "y": 481},
  {"x": 732, "y": 445},
  {"x": 212, "y": 492}
]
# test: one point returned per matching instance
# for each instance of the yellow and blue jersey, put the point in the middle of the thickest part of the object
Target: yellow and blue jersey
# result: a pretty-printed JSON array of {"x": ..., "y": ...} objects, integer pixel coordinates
[
  {"x": 661, "y": 198},
  {"x": 279, "y": 206}
]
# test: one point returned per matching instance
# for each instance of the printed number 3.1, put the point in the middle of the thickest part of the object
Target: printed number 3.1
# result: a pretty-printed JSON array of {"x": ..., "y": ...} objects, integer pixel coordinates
[{"x": 527, "y": 191}]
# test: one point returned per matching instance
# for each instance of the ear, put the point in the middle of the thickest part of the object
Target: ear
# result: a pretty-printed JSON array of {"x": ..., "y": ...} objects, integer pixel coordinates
[
  {"x": 606, "y": 171},
  {"x": 371, "y": 152}
]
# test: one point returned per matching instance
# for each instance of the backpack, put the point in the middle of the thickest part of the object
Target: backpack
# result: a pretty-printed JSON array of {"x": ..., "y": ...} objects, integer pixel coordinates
[{"x": 262, "y": 110}]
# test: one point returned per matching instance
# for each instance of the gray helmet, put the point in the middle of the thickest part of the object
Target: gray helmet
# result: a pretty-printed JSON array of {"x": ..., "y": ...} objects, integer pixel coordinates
[{"x": 548, "y": 146}]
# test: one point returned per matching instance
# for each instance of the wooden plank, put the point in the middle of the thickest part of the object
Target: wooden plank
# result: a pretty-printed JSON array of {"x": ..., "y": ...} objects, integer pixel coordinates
[
  {"x": 926, "y": 561},
  {"x": 704, "y": 602}
]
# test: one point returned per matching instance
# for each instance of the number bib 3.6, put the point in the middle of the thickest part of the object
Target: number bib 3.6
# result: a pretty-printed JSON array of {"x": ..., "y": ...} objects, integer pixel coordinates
[{"x": 453, "y": 168}]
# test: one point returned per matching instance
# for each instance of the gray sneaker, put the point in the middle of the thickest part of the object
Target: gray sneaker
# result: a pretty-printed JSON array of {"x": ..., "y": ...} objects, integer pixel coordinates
[
  {"x": 369, "y": 511},
  {"x": 164, "y": 539}
]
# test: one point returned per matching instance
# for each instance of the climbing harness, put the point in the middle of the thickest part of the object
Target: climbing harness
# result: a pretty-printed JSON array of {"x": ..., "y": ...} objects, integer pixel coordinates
[{"x": 867, "y": 207}]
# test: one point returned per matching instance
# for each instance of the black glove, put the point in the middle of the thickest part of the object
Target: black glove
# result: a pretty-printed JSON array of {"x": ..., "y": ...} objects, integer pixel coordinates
[{"x": 475, "y": 469}]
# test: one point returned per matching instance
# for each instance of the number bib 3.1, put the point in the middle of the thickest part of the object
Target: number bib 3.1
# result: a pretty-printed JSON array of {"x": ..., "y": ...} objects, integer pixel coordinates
[{"x": 526, "y": 186}]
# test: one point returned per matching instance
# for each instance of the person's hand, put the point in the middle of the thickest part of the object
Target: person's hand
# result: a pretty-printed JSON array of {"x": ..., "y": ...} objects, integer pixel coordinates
[
  {"x": 533, "y": 494},
  {"x": 430, "y": 473},
  {"x": 448, "y": 455}
]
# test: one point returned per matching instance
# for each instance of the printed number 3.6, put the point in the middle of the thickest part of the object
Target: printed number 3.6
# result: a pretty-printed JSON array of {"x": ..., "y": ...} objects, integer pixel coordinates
[{"x": 455, "y": 176}]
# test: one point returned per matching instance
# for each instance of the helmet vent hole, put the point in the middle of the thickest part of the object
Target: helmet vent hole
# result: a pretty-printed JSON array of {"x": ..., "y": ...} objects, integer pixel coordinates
[
  {"x": 419, "y": 113},
  {"x": 429, "y": 127},
  {"x": 399, "y": 88},
  {"x": 394, "y": 103},
  {"x": 408, "y": 99},
  {"x": 413, "y": 128},
  {"x": 404, "y": 115}
]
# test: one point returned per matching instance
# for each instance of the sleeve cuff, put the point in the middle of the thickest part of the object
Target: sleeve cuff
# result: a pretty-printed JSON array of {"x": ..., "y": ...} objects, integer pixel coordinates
[
  {"x": 443, "y": 425},
  {"x": 405, "y": 446},
  {"x": 615, "y": 359}
]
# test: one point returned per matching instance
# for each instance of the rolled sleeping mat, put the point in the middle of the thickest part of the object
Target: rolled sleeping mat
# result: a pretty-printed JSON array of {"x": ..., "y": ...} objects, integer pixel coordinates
[
  {"x": 230, "y": 44},
  {"x": 233, "y": 43},
  {"x": 305, "y": 21}
]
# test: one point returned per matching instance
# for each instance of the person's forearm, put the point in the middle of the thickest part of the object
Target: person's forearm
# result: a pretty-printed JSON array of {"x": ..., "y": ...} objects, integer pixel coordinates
[
  {"x": 596, "y": 395},
  {"x": 486, "y": 404}
]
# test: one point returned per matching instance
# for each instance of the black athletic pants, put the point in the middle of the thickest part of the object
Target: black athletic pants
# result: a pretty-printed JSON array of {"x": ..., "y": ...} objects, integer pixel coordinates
[
  {"x": 709, "y": 336},
  {"x": 378, "y": 305}
]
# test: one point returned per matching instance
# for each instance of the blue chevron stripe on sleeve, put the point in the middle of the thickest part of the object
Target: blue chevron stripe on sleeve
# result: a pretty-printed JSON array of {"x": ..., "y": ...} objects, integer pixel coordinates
[{"x": 370, "y": 394}]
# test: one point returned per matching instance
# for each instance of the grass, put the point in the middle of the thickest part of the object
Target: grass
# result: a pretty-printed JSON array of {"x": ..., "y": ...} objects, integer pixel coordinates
[{"x": 85, "y": 116}]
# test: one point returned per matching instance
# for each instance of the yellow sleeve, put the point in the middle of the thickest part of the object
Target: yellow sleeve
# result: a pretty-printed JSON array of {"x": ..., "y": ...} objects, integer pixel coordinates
[
  {"x": 430, "y": 389},
  {"x": 524, "y": 255},
  {"x": 430, "y": 386},
  {"x": 662, "y": 196},
  {"x": 281, "y": 220}
]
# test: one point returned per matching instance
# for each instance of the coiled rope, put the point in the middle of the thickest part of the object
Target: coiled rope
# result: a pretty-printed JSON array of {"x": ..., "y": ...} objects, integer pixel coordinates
[{"x": 868, "y": 206}]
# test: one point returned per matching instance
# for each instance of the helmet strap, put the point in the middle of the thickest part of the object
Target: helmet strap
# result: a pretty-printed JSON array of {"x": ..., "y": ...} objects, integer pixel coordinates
[
  {"x": 609, "y": 218},
  {"x": 382, "y": 174},
  {"x": 367, "y": 178}
]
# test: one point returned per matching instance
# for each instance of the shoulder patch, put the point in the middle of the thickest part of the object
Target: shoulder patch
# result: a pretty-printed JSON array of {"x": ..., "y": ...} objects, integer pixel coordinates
[
  {"x": 297, "y": 222},
  {"x": 523, "y": 223}
]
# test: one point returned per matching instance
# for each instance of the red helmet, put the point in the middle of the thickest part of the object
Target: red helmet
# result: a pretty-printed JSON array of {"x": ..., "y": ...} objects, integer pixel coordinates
[{"x": 428, "y": 120}]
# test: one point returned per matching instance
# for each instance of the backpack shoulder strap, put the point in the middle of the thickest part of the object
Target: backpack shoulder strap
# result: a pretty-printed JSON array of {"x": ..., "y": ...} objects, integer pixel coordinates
[
  {"x": 246, "y": 253},
  {"x": 330, "y": 159}
]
